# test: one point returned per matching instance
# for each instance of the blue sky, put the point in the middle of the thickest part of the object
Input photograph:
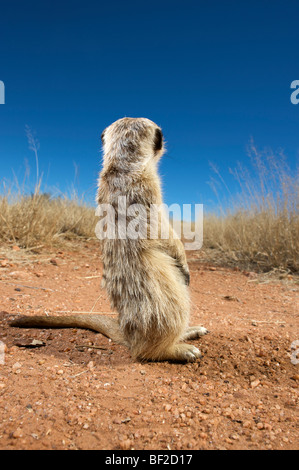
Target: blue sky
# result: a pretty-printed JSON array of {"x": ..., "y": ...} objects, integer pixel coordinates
[{"x": 212, "y": 74}]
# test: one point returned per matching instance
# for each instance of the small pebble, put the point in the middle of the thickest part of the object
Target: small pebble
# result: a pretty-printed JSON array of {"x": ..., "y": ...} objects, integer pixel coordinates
[
  {"x": 255, "y": 383},
  {"x": 17, "y": 433}
]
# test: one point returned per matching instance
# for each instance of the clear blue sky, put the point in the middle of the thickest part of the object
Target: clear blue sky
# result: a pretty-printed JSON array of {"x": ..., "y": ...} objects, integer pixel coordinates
[{"x": 212, "y": 74}]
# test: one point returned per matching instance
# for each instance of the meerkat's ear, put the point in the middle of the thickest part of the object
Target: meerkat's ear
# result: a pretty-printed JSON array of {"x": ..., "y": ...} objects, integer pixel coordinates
[
  {"x": 102, "y": 137},
  {"x": 158, "y": 140}
]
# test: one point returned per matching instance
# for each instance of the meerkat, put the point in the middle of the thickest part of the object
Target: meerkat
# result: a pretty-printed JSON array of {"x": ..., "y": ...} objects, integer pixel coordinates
[{"x": 147, "y": 279}]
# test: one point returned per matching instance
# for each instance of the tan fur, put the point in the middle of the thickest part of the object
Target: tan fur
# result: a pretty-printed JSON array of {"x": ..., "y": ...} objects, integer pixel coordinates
[{"x": 146, "y": 279}]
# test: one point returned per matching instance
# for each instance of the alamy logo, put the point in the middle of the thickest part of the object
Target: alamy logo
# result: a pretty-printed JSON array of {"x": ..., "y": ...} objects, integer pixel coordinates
[
  {"x": 295, "y": 94},
  {"x": 2, "y": 93},
  {"x": 122, "y": 221}
]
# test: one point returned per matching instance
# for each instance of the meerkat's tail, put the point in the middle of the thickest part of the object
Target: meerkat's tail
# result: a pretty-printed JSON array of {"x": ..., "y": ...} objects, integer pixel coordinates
[{"x": 101, "y": 323}]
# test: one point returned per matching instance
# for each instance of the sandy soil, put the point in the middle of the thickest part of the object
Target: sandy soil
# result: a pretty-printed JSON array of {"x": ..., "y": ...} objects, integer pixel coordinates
[{"x": 78, "y": 390}]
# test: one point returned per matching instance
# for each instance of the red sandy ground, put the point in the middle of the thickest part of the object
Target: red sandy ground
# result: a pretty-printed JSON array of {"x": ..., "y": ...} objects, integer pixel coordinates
[{"x": 81, "y": 391}]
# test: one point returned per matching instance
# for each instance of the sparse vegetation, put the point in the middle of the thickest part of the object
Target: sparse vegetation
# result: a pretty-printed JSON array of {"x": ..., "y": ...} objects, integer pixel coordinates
[
  {"x": 38, "y": 219},
  {"x": 257, "y": 228}
]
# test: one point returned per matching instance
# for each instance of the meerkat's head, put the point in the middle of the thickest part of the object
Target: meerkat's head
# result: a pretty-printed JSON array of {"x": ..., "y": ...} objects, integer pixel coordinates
[{"x": 131, "y": 143}]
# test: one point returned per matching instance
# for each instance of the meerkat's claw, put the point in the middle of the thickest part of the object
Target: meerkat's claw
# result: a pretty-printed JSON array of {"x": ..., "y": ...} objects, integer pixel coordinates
[
  {"x": 191, "y": 354},
  {"x": 186, "y": 353},
  {"x": 195, "y": 332}
]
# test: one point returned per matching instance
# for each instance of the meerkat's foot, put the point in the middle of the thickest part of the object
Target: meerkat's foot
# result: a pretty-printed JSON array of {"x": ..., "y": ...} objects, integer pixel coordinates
[
  {"x": 194, "y": 332},
  {"x": 181, "y": 353}
]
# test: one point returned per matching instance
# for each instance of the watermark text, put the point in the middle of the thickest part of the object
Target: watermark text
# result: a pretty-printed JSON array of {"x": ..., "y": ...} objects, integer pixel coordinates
[
  {"x": 122, "y": 221},
  {"x": 295, "y": 94},
  {"x": 2, "y": 93}
]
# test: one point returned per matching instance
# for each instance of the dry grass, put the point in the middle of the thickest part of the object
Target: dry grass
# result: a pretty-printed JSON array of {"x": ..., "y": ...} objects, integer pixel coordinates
[
  {"x": 261, "y": 227},
  {"x": 259, "y": 230},
  {"x": 29, "y": 221}
]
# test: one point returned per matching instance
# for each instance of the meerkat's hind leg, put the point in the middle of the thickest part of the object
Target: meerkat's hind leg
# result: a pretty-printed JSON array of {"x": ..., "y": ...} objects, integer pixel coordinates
[
  {"x": 181, "y": 353},
  {"x": 194, "y": 332},
  {"x": 158, "y": 348}
]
